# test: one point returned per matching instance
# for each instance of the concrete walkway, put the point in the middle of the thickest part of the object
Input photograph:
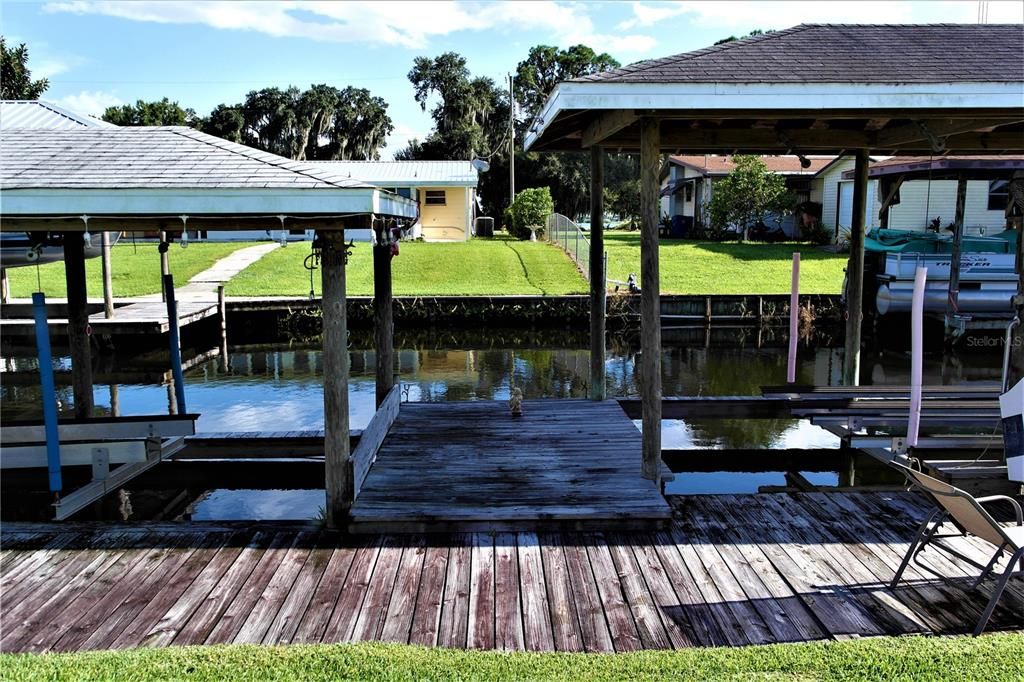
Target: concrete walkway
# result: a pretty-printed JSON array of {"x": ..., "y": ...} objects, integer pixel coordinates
[
  {"x": 203, "y": 287},
  {"x": 207, "y": 281}
]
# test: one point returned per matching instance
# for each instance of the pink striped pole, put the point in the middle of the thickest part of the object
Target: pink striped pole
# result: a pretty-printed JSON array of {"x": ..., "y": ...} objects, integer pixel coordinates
[
  {"x": 916, "y": 354},
  {"x": 794, "y": 319}
]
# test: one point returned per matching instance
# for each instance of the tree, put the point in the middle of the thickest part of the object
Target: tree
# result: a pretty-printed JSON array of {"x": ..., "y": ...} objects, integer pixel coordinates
[
  {"x": 748, "y": 195},
  {"x": 15, "y": 77},
  {"x": 567, "y": 174},
  {"x": 471, "y": 114},
  {"x": 755, "y": 32},
  {"x": 158, "y": 113},
  {"x": 322, "y": 123},
  {"x": 546, "y": 66},
  {"x": 624, "y": 201}
]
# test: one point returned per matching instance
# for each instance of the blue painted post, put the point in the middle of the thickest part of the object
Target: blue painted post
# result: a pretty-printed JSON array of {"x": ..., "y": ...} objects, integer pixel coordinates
[
  {"x": 49, "y": 391},
  {"x": 175, "y": 341}
]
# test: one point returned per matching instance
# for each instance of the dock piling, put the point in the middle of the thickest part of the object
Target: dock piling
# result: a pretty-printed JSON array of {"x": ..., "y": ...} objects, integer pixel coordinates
[
  {"x": 174, "y": 339},
  {"x": 598, "y": 275},
  {"x": 49, "y": 392}
]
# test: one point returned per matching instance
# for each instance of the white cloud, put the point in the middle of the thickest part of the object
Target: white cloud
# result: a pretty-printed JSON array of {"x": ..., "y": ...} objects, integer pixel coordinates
[
  {"x": 91, "y": 103},
  {"x": 407, "y": 24},
  {"x": 777, "y": 15},
  {"x": 48, "y": 67}
]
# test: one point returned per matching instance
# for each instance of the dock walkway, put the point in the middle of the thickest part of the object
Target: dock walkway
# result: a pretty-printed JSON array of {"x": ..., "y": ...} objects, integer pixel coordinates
[
  {"x": 565, "y": 464},
  {"x": 146, "y": 317},
  {"x": 730, "y": 570}
]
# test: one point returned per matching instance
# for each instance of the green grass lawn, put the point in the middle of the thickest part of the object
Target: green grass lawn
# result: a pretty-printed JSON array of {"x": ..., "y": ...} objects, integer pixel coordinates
[
  {"x": 136, "y": 269},
  {"x": 991, "y": 658},
  {"x": 481, "y": 267},
  {"x": 728, "y": 267}
]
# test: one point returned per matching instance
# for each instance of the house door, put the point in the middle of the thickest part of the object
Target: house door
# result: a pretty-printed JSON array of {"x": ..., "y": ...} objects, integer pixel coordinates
[{"x": 844, "y": 209}]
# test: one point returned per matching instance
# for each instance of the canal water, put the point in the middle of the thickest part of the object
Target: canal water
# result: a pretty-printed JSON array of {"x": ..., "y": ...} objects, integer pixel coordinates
[{"x": 277, "y": 386}]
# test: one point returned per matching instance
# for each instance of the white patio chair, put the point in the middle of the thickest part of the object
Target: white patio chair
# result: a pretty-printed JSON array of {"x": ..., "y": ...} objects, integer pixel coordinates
[{"x": 967, "y": 515}]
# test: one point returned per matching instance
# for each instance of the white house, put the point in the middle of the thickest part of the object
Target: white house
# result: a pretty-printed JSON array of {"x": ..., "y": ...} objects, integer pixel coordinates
[
  {"x": 688, "y": 184},
  {"x": 926, "y": 201},
  {"x": 445, "y": 190}
]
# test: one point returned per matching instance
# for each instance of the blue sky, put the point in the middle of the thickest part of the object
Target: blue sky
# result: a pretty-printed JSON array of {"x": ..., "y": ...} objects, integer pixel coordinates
[{"x": 205, "y": 53}]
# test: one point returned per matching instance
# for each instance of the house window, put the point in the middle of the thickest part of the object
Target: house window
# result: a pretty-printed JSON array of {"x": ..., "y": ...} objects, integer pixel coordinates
[
  {"x": 435, "y": 197},
  {"x": 998, "y": 194},
  {"x": 688, "y": 192}
]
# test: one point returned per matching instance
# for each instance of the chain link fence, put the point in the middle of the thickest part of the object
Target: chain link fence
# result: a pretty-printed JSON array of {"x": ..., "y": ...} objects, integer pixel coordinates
[{"x": 568, "y": 235}]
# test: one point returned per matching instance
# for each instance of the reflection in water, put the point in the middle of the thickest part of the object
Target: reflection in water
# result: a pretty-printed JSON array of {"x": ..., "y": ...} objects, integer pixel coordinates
[{"x": 277, "y": 387}]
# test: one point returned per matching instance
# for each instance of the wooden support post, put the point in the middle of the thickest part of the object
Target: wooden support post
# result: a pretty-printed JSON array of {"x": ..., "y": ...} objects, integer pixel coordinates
[
  {"x": 650, "y": 298},
  {"x": 339, "y": 483},
  {"x": 383, "y": 320},
  {"x": 174, "y": 338},
  {"x": 78, "y": 323},
  {"x": 108, "y": 282},
  {"x": 953, "y": 329},
  {"x": 855, "y": 272},
  {"x": 165, "y": 263},
  {"x": 598, "y": 276}
]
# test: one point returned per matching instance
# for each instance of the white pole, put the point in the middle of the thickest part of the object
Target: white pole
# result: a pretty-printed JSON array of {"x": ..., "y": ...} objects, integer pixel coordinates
[
  {"x": 916, "y": 354},
  {"x": 794, "y": 319}
]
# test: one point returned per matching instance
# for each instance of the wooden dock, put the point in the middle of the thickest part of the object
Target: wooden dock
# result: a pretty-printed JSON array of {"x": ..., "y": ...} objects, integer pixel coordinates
[
  {"x": 472, "y": 466},
  {"x": 730, "y": 570},
  {"x": 149, "y": 317}
]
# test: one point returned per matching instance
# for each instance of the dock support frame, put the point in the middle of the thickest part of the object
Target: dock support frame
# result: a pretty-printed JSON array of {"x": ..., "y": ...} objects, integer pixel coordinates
[
  {"x": 383, "y": 317},
  {"x": 855, "y": 271},
  {"x": 338, "y": 479},
  {"x": 598, "y": 276},
  {"x": 78, "y": 323},
  {"x": 650, "y": 298}
]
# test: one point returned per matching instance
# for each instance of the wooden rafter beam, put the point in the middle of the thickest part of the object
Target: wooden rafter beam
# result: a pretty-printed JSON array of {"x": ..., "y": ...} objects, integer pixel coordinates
[
  {"x": 606, "y": 125},
  {"x": 812, "y": 141}
]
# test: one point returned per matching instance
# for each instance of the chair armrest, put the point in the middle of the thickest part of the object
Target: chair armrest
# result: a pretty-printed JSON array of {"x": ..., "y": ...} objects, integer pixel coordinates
[{"x": 1004, "y": 498}]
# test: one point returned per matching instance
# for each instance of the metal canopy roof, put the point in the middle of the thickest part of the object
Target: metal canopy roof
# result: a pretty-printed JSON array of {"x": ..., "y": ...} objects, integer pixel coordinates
[
  {"x": 404, "y": 173},
  {"x": 817, "y": 89},
  {"x": 169, "y": 171},
  {"x": 33, "y": 113}
]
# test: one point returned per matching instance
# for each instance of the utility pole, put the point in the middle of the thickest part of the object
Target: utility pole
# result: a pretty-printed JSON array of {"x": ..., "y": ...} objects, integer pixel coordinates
[{"x": 511, "y": 140}]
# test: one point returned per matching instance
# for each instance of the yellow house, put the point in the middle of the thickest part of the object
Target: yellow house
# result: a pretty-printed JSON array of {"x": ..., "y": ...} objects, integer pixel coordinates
[{"x": 445, "y": 190}]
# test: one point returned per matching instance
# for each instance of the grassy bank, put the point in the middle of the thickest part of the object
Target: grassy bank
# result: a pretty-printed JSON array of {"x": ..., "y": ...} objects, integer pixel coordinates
[
  {"x": 135, "y": 269},
  {"x": 728, "y": 268},
  {"x": 483, "y": 267},
  {"x": 991, "y": 658}
]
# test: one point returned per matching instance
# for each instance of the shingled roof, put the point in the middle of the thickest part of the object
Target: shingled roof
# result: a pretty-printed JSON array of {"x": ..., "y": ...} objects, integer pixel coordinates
[
  {"x": 831, "y": 53},
  {"x": 148, "y": 158}
]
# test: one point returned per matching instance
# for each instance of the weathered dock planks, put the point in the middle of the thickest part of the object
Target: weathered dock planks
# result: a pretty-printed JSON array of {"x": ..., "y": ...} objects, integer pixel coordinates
[
  {"x": 731, "y": 569},
  {"x": 565, "y": 464}
]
